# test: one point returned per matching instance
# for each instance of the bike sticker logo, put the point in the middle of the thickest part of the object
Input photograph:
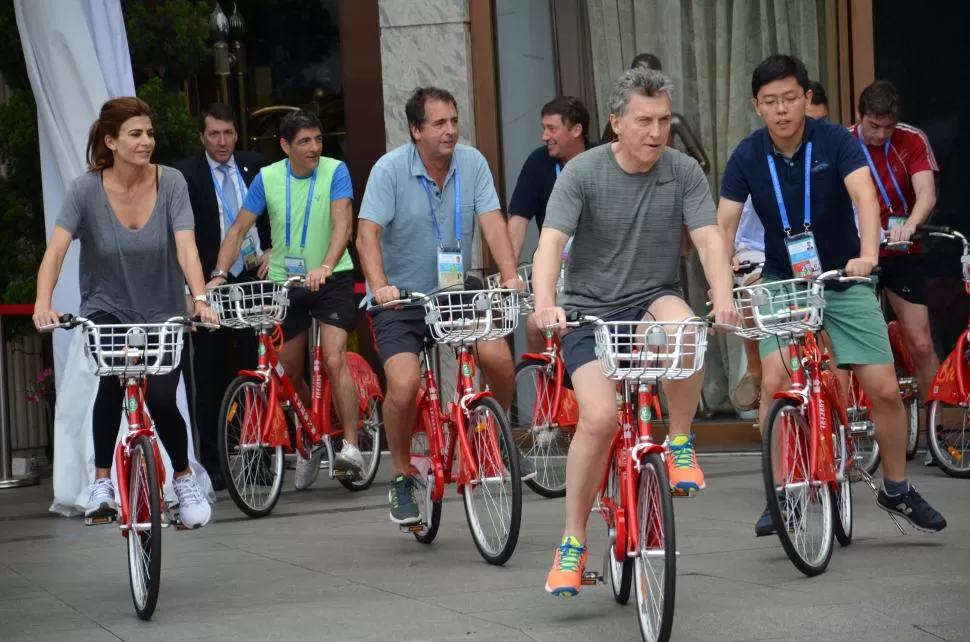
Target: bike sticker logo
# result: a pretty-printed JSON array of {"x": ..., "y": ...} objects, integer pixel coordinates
[
  {"x": 262, "y": 350},
  {"x": 794, "y": 363},
  {"x": 132, "y": 404},
  {"x": 644, "y": 414},
  {"x": 466, "y": 370}
]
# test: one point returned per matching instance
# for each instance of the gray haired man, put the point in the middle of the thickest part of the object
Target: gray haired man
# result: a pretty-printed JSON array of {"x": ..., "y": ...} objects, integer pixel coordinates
[{"x": 626, "y": 204}]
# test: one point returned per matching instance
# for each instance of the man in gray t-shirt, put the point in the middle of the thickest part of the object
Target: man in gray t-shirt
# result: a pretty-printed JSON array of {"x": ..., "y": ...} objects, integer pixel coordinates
[{"x": 626, "y": 203}]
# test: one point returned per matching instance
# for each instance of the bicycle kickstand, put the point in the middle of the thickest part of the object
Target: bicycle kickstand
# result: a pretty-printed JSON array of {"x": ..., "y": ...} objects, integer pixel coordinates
[{"x": 867, "y": 478}]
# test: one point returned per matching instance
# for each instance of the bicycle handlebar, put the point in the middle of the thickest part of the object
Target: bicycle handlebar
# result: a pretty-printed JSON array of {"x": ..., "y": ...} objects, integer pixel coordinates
[{"x": 70, "y": 321}]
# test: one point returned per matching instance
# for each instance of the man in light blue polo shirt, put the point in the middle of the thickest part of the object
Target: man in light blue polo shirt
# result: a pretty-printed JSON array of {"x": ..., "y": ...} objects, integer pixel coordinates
[{"x": 419, "y": 209}]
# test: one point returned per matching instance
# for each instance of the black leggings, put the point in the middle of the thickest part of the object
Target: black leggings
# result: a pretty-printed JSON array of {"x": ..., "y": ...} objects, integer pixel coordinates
[{"x": 160, "y": 399}]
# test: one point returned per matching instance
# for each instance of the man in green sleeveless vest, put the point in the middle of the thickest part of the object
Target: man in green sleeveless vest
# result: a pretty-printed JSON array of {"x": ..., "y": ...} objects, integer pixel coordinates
[{"x": 309, "y": 201}]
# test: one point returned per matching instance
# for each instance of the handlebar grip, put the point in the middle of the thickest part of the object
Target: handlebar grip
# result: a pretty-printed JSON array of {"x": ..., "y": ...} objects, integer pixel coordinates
[
  {"x": 405, "y": 294},
  {"x": 67, "y": 318},
  {"x": 574, "y": 316},
  {"x": 926, "y": 228},
  {"x": 876, "y": 271}
]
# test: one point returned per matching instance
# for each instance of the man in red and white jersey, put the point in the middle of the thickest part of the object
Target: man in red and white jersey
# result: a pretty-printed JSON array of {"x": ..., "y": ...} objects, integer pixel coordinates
[{"x": 902, "y": 165}]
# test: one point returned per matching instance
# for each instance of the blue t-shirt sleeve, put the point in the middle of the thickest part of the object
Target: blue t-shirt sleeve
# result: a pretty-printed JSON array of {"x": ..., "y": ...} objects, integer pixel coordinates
[
  {"x": 340, "y": 185},
  {"x": 255, "y": 200},
  {"x": 378, "y": 204},
  {"x": 734, "y": 183},
  {"x": 486, "y": 198},
  {"x": 848, "y": 152}
]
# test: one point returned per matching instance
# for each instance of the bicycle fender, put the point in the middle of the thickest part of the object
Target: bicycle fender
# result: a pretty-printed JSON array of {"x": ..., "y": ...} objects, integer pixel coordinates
[
  {"x": 789, "y": 394},
  {"x": 537, "y": 356},
  {"x": 365, "y": 379}
]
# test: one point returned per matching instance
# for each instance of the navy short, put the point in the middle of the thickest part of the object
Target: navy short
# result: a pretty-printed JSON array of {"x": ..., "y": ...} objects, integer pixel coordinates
[{"x": 579, "y": 344}]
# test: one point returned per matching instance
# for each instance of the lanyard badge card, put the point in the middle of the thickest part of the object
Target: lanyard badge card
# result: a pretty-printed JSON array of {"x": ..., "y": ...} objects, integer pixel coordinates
[
  {"x": 802, "y": 249},
  {"x": 451, "y": 268},
  {"x": 295, "y": 264},
  {"x": 894, "y": 219}
]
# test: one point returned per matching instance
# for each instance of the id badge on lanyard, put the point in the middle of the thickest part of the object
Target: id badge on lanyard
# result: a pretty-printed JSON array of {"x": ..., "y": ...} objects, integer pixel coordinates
[
  {"x": 803, "y": 254},
  {"x": 894, "y": 219},
  {"x": 451, "y": 268},
  {"x": 248, "y": 250},
  {"x": 802, "y": 249}
]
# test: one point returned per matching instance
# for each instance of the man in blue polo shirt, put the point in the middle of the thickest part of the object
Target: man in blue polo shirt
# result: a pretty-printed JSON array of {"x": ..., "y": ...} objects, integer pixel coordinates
[
  {"x": 781, "y": 166},
  {"x": 419, "y": 211}
]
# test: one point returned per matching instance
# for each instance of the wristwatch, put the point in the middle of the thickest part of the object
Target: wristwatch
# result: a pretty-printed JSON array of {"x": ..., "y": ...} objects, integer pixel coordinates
[
  {"x": 219, "y": 274},
  {"x": 200, "y": 298}
]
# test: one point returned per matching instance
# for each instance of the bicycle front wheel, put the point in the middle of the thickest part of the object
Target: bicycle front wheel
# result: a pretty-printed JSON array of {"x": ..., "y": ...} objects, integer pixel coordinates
[
  {"x": 253, "y": 472},
  {"x": 493, "y": 500},
  {"x": 621, "y": 573},
  {"x": 144, "y": 528},
  {"x": 655, "y": 565},
  {"x": 369, "y": 444},
  {"x": 800, "y": 505},
  {"x": 534, "y": 427}
]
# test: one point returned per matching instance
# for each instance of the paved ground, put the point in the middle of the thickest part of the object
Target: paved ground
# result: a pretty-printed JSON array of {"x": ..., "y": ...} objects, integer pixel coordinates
[{"x": 329, "y": 566}]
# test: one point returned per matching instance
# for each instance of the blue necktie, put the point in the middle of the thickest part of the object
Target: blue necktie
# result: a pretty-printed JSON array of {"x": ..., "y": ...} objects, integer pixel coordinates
[{"x": 229, "y": 190}]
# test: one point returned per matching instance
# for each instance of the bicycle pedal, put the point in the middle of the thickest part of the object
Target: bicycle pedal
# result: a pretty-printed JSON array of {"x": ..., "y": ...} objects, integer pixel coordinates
[
  {"x": 346, "y": 474},
  {"x": 676, "y": 492},
  {"x": 412, "y": 528},
  {"x": 99, "y": 521},
  {"x": 591, "y": 578}
]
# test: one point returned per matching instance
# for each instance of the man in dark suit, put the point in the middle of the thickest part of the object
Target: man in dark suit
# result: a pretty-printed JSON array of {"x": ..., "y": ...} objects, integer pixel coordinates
[{"x": 218, "y": 179}]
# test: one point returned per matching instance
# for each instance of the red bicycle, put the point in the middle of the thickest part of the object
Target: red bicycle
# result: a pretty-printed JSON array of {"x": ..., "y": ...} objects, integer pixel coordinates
[
  {"x": 254, "y": 434},
  {"x": 133, "y": 353},
  {"x": 808, "y": 455},
  {"x": 634, "y": 499},
  {"x": 949, "y": 397},
  {"x": 469, "y": 443}
]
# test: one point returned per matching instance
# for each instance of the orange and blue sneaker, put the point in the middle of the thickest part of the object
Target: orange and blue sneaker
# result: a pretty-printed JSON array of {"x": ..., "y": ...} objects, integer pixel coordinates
[
  {"x": 566, "y": 575},
  {"x": 686, "y": 478}
]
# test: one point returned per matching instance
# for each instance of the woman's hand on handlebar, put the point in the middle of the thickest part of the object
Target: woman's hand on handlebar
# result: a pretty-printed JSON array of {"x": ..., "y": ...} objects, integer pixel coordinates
[
  {"x": 550, "y": 318},
  {"x": 44, "y": 317},
  {"x": 860, "y": 267},
  {"x": 386, "y": 293}
]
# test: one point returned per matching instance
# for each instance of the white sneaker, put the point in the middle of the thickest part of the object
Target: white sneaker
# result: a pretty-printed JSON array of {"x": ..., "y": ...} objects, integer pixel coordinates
[
  {"x": 349, "y": 459},
  {"x": 101, "y": 504},
  {"x": 194, "y": 509},
  {"x": 307, "y": 470}
]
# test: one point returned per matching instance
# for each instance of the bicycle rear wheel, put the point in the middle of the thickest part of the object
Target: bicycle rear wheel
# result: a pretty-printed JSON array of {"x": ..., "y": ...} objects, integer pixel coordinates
[
  {"x": 842, "y": 495},
  {"x": 430, "y": 510},
  {"x": 533, "y": 421},
  {"x": 862, "y": 428},
  {"x": 656, "y": 562},
  {"x": 496, "y": 494},
  {"x": 144, "y": 528},
  {"x": 369, "y": 444},
  {"x": 254, "y": 473},
  {"x": 948, "y": 434},
  {"x": 801, "y": 507},
  {"x": 621, "y": 573}
]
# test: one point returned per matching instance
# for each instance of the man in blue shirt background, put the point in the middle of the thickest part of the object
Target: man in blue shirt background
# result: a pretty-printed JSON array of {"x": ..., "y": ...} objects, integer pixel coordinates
[{"x": 823, "y": 157}]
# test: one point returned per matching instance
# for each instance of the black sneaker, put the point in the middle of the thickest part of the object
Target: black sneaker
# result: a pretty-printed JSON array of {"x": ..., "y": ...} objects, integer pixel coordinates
[
  {"x": 765, "y": 525},
  {"x": 404, "y": 504},
  {"x": 914, "y": 509}
]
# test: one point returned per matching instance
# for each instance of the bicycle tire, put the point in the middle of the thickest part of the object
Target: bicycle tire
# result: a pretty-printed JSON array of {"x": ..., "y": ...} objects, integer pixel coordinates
[
  {"x": 144, "y": 553},
  {"x": 912, "y": 406},
  {"x": 842, "y": 514},
  {"x": 421, "y": 447},
  {"x": 373, "y": 422},
  {"x": 866, "y": 445},
  {"x": 501, "y": 551},
  {"x": 820, "y": 561},
  {"x": 236, "y": 486},
  {"x": 654, "y": 487},
  {"x": 620, "y": 573},
  {"x": 944, "y": 460},
  {"x": 545, "y": 483}
]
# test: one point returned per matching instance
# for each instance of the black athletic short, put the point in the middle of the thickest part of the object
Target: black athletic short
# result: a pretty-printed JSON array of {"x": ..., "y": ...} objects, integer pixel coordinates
[
  {"x": 333, "y": 304},
  {"x": 905, "y": 276}
]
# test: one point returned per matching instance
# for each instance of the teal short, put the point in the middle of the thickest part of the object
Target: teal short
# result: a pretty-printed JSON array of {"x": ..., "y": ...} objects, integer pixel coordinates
[{"x": 854, "y": 322}]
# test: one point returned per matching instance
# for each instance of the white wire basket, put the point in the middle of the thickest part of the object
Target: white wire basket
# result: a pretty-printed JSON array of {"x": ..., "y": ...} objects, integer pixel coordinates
[
  {"x": 249, "y": 304},
  {"x": 650, "y": 351},
  {"x": 133, "y": 350},
  {"x": 526, "y": 301},
  {"x": 464, "y": 316},
  {"x": 777, "y": 308}
]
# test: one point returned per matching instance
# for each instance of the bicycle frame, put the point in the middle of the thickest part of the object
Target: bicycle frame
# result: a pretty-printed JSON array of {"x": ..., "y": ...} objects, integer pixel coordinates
[
  {"x": 429, "y": 410},
  {"x": 626, "y": 451},
  {"x": 139, "y": 425},
  {"x": 816, "y": 387},
  {"x": 316, "y": 420}
]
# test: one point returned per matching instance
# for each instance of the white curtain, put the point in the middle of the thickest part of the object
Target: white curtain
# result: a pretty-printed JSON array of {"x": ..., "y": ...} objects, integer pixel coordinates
[
  {"x": 709, "y": 48},
  {"x": 77, "y": 58}
]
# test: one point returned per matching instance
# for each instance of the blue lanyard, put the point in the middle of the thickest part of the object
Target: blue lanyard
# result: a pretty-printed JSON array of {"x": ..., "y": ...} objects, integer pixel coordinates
[
  {"x": 875, "y": 175},
  {"x": 222, "y": 195},
  {"x": 558, "y": 169},
  {"x": 457, "y": 187},
  {"x": 808, "y": 190},
  {"x": 306, "y": 214}
]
